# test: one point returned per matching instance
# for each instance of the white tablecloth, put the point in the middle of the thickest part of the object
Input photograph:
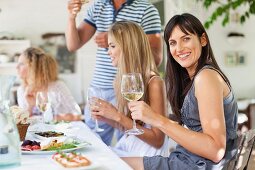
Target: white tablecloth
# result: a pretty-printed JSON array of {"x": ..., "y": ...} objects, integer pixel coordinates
[{"x": 98, "y": 152}]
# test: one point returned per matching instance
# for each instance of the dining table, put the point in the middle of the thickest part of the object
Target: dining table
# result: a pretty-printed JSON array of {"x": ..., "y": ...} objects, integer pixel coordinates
[{"x": 101, "y": 156}]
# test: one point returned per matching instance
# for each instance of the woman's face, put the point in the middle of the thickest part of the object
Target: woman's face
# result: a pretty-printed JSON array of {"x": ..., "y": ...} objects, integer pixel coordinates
[
  {"x": 114, "y": 50},
  {"x": 22, "y": 67},
  {"x": 186, "y": 48}
]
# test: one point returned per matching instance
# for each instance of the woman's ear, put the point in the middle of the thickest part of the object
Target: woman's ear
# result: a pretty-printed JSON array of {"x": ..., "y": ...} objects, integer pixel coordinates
[{"x": 203, "y": 40}]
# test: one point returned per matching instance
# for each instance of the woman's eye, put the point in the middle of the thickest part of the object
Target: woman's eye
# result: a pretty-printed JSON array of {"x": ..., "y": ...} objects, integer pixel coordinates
[
  {"x": 186, "y": 38},
  {"x": 172, "y": 43}
]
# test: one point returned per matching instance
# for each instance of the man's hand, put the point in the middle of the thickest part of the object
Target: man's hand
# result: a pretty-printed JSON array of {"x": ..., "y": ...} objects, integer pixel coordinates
[
  {"x": 74, "y": 7},
  {"x": 101, "y": 39}
]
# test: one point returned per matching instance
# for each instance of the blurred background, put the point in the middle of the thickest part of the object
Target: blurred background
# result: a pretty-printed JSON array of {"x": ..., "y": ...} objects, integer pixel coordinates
[{"x": 25, "y": 23}]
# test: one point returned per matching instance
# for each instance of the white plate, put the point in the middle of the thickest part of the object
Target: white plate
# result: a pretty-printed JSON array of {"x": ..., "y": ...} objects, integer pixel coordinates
[
  {"x": 40, "y": 152},
  {"x": 93, "y": 165}
]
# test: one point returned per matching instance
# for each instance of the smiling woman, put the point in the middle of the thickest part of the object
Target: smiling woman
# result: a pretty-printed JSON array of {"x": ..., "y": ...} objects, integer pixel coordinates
[
  {"x": 202, "y": 99},
  {"x": 185, "y": 48}
]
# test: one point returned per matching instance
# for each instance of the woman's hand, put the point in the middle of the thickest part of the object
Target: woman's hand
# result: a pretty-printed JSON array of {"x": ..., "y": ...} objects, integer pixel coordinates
[
  {"x": 30, "y": 96},
  {"x": 101, "y": 109},
  {"x": 142, "y": 111},
  {"x": 74, "y": 7}
]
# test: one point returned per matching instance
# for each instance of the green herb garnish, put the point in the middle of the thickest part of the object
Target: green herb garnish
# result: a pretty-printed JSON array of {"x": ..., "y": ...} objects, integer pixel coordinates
[{"x": 64, "y": 146}]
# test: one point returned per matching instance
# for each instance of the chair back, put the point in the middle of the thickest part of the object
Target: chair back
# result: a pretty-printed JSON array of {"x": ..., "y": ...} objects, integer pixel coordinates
[
  {"x": 246, "y": 150},
  {"x": 245, "y": 143},
  {"x": 231, "y": 164}
]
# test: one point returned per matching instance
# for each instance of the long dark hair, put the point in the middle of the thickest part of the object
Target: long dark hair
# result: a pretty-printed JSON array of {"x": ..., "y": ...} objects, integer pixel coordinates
[{"x": 177, "y": 79}]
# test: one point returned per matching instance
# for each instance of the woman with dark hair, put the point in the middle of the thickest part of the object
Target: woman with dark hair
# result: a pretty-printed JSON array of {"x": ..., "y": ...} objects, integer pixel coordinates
[{"x": 200, "y": 96}]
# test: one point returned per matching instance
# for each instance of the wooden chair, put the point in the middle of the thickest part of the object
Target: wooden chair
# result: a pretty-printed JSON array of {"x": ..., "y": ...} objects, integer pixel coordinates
[
  {"x": 231, "y": 164},
  {"x": 246, "y": 143},
  {"x": 249, "y": 112},
  {"x": 245, "y": 112}
]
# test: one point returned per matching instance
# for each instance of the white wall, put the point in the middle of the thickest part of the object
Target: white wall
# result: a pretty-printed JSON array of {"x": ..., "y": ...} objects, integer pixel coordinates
[
  {"x": 31, "y": 18},
  {"x": 241, "y": 77}
]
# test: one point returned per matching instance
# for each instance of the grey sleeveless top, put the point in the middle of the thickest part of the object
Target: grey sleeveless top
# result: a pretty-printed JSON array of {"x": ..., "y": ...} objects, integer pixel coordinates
[
  {"x": 190, "y": 118},
  {"x": 190, "y": 113},
  {"x": 182, "y": 159}
]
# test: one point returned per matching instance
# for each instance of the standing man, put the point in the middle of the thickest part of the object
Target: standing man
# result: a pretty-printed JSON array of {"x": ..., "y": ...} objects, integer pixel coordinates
[{"x": 100, "y": 16}]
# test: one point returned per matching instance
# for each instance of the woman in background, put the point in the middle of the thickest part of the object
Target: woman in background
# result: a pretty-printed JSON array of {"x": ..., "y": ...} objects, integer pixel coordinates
[
  {"x": 38, "y": 72},
  {"x": 130, "y": 52},
  {"x": 202, "y": 99}
]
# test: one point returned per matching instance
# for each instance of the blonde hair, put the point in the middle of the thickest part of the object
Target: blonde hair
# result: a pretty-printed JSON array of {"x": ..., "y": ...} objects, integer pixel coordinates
[
  {"x": 136, "y": 57},
  {"x": 43, "y": 68}
]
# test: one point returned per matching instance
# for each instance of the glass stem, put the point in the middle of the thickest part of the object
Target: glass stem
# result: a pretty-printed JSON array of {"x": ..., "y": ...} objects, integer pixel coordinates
[
  {"x": 96, "y": 122},
  {"x": 134, "y": 124}
]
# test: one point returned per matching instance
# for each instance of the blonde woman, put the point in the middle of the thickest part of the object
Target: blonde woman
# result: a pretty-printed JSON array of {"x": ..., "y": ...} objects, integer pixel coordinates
[
  {"x": 130, "y": 52},
  {"x": 38, "y": 72}
]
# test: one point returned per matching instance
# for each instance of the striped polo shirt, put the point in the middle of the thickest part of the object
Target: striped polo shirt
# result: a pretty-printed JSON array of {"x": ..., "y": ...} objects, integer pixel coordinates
[{"x": 101, "y": 15}]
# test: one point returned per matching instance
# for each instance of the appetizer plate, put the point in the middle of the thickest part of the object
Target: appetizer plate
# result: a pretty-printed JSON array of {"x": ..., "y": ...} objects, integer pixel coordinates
[
  {"x": 41, "y": 152},
  {"x": 93, "y": 165},
  {"x": 36, "y": 135}
]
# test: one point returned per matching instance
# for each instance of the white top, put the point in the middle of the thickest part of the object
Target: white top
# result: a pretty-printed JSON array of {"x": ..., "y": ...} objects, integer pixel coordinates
[
  {"x": 98, "y": 153},
  {"x": 131, "y": 145},
  {"x": 66, "y": 102}
]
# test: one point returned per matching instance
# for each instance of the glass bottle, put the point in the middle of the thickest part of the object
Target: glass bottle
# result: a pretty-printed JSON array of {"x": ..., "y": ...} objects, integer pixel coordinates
[{"x": 10, "y": 153}]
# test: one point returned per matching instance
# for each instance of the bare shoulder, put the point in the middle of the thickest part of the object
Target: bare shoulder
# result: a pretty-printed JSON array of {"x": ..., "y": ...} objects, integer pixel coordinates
[
  {"x": 208, "y": 77},
  {"x": 156, "y": 82},
  {"x": 156, "y": 85}
]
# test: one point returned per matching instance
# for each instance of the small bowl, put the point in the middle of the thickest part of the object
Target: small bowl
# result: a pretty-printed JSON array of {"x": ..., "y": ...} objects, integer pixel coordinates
[{"x": 22, "y": 128}]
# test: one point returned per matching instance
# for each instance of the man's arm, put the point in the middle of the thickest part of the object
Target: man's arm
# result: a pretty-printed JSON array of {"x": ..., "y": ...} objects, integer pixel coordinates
[
  {"x": 156, "y": 47},
  {"x": 151, "y": 25},
  {"x": 77, "y": 37}
]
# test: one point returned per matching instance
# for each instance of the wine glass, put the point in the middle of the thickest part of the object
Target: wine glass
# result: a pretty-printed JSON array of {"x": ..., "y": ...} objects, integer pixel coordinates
[
  {"x": 42, "y": 102},
  {"x": 54, "y": 101},
  {"x": 94, "y": 92},
  {"x": 132, "y": 89}
]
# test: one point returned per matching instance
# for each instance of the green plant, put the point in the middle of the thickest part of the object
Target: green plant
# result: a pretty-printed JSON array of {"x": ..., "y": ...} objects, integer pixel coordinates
[{"x": 223, "y": 9}]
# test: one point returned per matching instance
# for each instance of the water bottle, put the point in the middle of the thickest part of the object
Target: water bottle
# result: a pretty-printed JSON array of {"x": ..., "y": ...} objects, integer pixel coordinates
[{"x": 10, "y": 152}]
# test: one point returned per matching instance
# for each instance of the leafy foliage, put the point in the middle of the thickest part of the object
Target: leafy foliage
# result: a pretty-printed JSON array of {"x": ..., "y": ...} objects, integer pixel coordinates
[{"x": 223, "y": 9}]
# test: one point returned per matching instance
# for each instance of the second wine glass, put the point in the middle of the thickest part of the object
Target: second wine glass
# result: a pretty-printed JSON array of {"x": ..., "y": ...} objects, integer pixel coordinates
[
  {"x": 41, "y": 104},
  {"x": 94, "y": 92},
  {"x": 132, "y": 89},
  {"x": 54, "y": 100}
]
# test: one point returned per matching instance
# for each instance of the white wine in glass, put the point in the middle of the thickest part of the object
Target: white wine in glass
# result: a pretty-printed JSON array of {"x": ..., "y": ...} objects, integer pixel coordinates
[
  {"x": 41, "y": 102},
  {"x": 132, "y": 89},
  {"x": 94, "y": 92},
  {"x": 132, "y": 96}
]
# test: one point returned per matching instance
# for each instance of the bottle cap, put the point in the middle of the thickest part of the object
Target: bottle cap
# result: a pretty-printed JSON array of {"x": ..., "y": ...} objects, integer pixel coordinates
[{"x": 3, "y": 149}]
